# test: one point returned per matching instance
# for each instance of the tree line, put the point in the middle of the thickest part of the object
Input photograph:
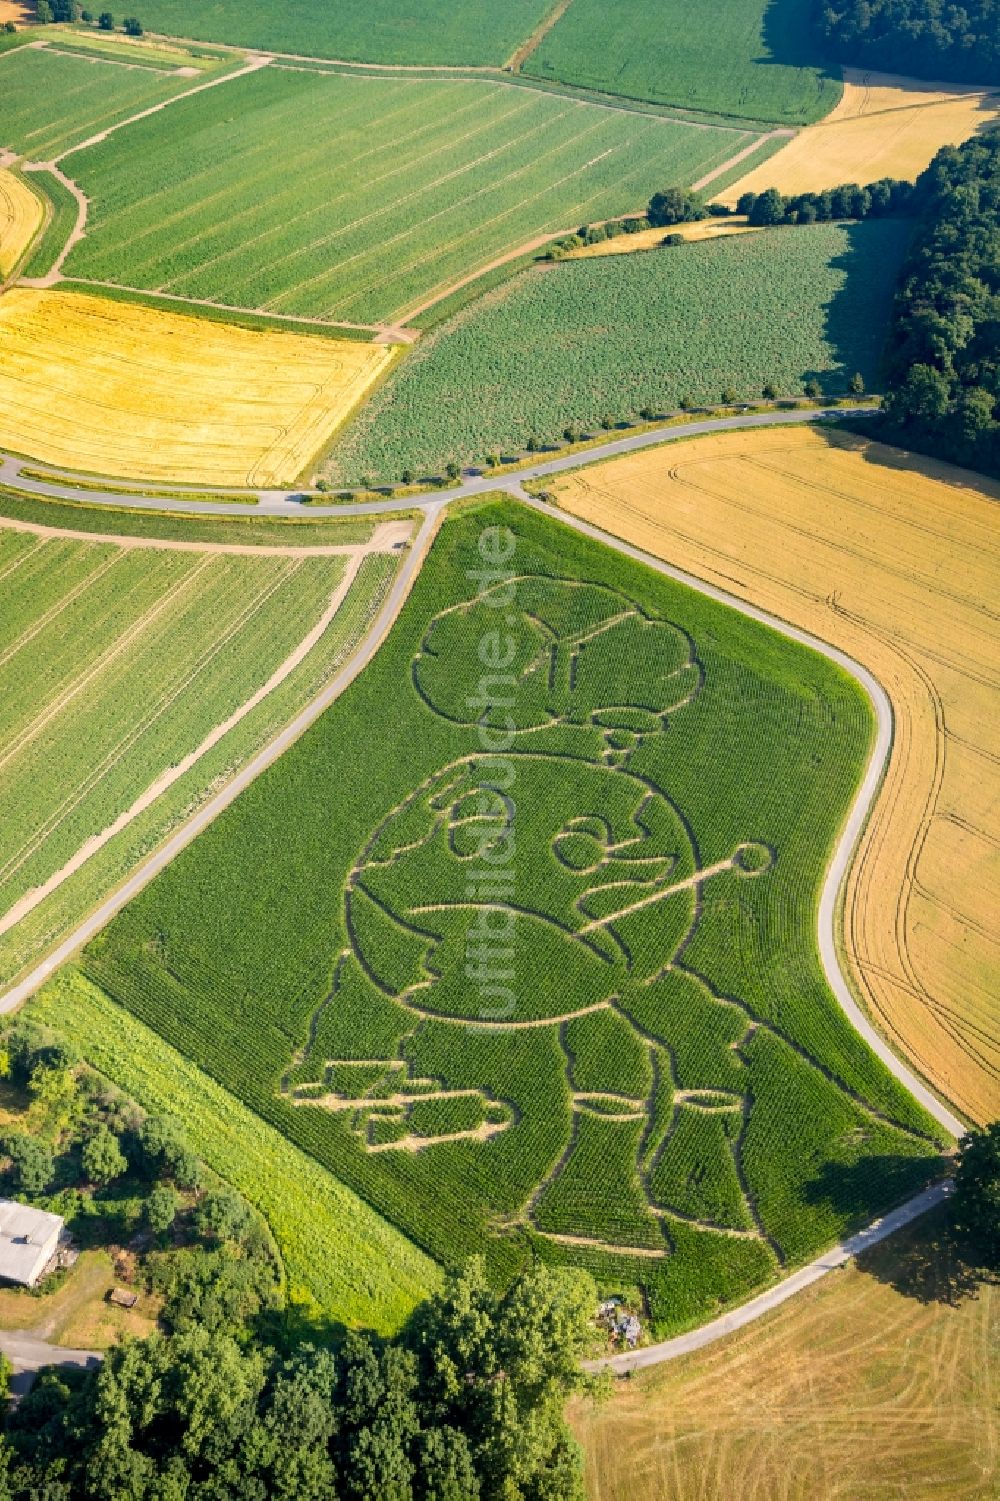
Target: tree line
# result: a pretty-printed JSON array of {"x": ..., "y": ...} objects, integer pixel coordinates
[
  {"x": 943, "y": 352},
  {"x": 927, "y": 38},
  {"x": 467, "y": 1405}
]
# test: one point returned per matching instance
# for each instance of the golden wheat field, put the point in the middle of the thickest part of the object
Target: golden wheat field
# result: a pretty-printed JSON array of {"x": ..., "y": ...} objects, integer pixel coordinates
[
  {"x": 884, "y": 126},
  {"x": 855, "y": 1390},
  {"x": 649, "y": 239},
  {"x": 895, "y": 560},
  {"x": 150, "y": 395},
  {"x": 21, "y": 215}
]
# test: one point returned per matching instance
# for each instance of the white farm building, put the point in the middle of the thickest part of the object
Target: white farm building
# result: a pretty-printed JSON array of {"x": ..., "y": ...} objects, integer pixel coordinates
[{"x": 29, "y": 1239}]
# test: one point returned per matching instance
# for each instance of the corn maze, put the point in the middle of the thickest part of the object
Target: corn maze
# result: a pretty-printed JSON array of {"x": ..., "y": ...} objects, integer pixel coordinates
[{"x": 547, "y": 956}]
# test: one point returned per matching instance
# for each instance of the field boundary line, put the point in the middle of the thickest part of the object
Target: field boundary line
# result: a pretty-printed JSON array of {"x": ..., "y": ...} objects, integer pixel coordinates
[
  {"x": 772, "y": 135},
  {"x": 531, "y": 44},
  {"x": 76, "y": 234},
  {"x": 223, "y": 307},
  {"x": 15, "y": 994}
]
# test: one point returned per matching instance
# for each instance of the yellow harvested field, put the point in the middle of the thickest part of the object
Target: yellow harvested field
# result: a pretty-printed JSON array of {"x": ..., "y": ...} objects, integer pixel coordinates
[
  {"x": 894, "y": 559},
  {"x": 884, "y": 126},
  {"x": 21, "y": 215},
  {"x": 18, "y": 11},
  {"x": 649, "y": 239},
  {"x": 160, "y": 396},
  {"x": 877, "y": 1384}
]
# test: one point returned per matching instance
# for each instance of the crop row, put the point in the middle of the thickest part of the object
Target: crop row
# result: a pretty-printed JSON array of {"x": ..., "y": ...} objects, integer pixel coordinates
[
  {"x": 356, "y": 198},
  {"x": 739, "y": 57},
  {"x": 590, "y": 343},
  {"x": 52, "y": 100}
]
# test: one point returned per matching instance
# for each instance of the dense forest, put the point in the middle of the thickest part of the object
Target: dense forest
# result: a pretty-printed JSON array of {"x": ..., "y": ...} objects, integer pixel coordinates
[
  {"x": 466, "y": 1406},
  {"x": 943, "y": 354},
  {"x": 927, "y": 38}
]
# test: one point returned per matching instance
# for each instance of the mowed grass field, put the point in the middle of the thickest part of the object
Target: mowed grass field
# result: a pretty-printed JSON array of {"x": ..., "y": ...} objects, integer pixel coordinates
[
  {"x": 385, "y": 31},
  {"x": 879, "y": 1383},
  {"x": 353, "y": 198},
  {"x": 894, "y": 560},
  {"x": 135, "y": 674},
  {"x": 92, "y": 93},
  {"x": 343, "y": 1261},
  {"x": 734, "y": 57},
  {"x": 884, "y": 126},
  {"x": 665, "y": 1091},
  {"x": 152, "y": 395},
  {"x": 582, "y": 341},
  {"x": 21, "y": 215}
]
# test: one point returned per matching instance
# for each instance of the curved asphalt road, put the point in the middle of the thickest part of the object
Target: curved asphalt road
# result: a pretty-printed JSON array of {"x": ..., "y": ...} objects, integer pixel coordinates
[
  {"x": 281, "y": 503},
  {"x": 285, "y": 503}
]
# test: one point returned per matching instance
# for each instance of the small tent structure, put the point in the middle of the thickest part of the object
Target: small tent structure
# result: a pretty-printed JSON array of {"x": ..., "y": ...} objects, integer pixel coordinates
[{"x": 29, "y": 1239}]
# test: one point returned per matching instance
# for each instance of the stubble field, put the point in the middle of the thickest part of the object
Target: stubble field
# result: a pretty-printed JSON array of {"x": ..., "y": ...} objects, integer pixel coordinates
[
  {"x": 893, "y": 560},
  {"x": 884, "y": 126},
  {"x": 879, "y": 1383},
  {"x": 152, "y": 395},
  {"x": 21, "y": 216}
]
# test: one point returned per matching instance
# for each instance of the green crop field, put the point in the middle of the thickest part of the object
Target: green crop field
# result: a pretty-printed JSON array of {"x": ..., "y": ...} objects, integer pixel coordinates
[
  {"x": 582, "y": 341},
  {"x": 91, "y": 94},
  {"x": 547, "y": 954},
  {"x": 118, "y": 665},
  {"x": 386, "y": 31},
  {"x": 750, "y": 58},
  {"x": 357, "y": 199}
]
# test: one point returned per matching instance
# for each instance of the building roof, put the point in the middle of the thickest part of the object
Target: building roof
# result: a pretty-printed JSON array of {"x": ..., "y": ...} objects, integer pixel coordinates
[{"x": 28, "y": 1238}]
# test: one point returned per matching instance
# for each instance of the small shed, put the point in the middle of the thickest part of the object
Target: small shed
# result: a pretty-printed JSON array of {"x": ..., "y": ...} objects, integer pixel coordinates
[
  {"x": 123, "y": 1298},
  {"x": 29, "y": 1239}
]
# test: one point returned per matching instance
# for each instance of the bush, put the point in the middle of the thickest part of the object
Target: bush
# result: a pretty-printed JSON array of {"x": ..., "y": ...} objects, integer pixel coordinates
[
  {"x": 812, "y": 388},
  {"x": 32, "y": 1164},
  {"x": 674, "y": 206},
  {"x": 166, "y": 1152},
  {"x": 224, "y": 1215},
  {"x": 160, "y": 1209},
  {"x": 102, "y": 1157},
  {"x": 132, "y": 26},
  {"x": 770, "y": 391},
  {"x": 106, "y": 21}
]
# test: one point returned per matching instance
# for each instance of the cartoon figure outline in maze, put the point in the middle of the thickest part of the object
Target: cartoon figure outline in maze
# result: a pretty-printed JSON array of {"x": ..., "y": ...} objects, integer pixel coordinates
[{"x": 606, "y": 868}]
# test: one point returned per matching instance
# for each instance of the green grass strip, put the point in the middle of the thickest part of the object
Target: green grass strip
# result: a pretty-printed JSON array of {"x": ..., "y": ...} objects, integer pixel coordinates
[
  {"x": 262, "y": 531},
  {"x": 341, "y": 1258},
  {"x": 62, "y": 218}
]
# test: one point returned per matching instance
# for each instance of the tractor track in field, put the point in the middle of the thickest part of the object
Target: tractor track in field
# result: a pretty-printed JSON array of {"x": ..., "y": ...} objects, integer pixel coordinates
[{"x": 280, "y": 503}]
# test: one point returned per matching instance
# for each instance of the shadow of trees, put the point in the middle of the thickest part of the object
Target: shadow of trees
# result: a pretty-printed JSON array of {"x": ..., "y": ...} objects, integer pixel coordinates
[
  {"x": 928, "y": 1260},
  {"x": 856, "y": 320}
]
